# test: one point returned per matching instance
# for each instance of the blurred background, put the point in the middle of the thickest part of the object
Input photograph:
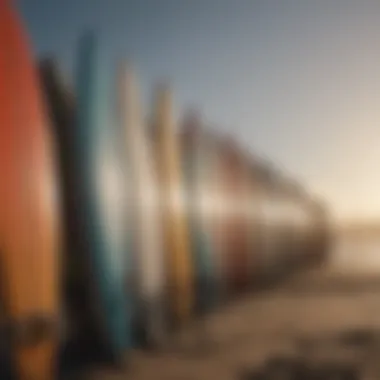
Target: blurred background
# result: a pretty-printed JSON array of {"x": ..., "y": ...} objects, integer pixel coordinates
[{"x": 297, "y": 80}]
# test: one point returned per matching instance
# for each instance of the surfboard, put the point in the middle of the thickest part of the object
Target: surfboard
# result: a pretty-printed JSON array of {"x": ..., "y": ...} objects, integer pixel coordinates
[
  {"x": 299, "y": 226},
  {"x": 292, "y": 230},
  {"x": 102, "y": 196},
  {"x": 307, "y": 231},
  {"x": 79, "y": 344},
  {"x": 59, "y": 104},
  {"x": 30, "y": 210},
  {"x": 305, "y": 224},
  {"x": 282, "y": 224},
  {"x": 279, "y": 227},
  {"x": 197, "y": 169},
  {"x": 251, "y": 211},
  {"x": 320, "y": 238},
  {"x": 149, "y": 250},
  {"x": 176, "y": 234},
  {"x": 257, "y": 225},
  {"x": 237, "y": 258},
  {"x": 219, "y": 212},
  {"x": 270, "y": 261}
]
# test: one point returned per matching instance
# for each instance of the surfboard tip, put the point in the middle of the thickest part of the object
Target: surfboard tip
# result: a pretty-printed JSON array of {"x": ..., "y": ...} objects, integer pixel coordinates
[{"x": 48, "y": 64}]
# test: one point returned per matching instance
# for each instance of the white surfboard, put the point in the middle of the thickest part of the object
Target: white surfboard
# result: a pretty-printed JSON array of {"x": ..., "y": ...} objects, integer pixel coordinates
[{"x": 144, "y": 205}]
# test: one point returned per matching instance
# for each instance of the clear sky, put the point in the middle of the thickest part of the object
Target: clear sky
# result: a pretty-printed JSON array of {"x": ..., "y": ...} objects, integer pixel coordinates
[{"x": 295, "y": 80}]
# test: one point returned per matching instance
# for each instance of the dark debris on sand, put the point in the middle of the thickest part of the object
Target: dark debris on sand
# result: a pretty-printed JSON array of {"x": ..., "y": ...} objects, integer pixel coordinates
[{"x": 303, "y": 367}]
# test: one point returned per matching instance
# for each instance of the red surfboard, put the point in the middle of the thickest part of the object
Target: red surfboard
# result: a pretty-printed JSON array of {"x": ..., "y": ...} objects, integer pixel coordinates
[{"x": 29, "y": 224}]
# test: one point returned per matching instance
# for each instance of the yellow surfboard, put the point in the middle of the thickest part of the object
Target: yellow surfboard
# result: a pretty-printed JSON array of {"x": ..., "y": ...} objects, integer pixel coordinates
[{"x": 175, "y": 229}]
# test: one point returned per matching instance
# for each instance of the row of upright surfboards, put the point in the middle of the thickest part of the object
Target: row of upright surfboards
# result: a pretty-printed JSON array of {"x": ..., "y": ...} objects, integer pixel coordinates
[{"x": 109, "y": 221}]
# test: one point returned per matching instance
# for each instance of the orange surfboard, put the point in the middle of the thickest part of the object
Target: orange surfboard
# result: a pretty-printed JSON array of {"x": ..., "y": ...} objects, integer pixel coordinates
[{"x": 29, "y": 224}]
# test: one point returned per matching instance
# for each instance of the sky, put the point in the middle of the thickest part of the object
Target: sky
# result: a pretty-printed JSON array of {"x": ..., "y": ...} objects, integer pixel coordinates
[{"x": 297, "y": 81}]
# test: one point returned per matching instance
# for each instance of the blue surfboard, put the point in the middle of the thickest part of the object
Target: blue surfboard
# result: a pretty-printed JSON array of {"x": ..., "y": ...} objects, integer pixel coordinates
[{"x": 102, "y": 190}]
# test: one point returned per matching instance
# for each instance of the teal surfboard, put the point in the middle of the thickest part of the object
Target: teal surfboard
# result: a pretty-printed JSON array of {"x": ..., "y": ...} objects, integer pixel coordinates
[{"x": 99, "y": 157}]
